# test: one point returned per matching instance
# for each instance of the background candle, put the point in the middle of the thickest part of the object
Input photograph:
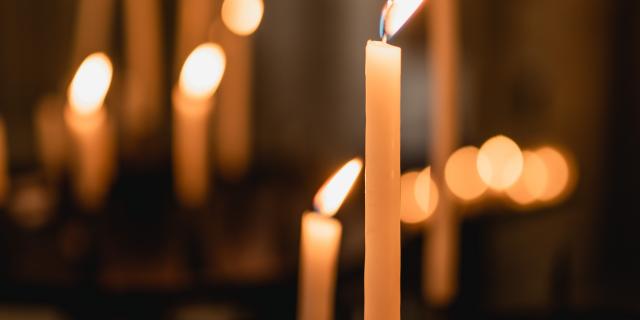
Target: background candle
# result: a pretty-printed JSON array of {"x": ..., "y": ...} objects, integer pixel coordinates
[
  {"x": 94, "y": 22},
  {"x": 194, "y": 19},
  {"x": 192, "y": 103},
  {"x": 4, "y": 165},
  {"x": 441, "y": 241},
  {"x": 88, "y": 125},
  {"x": 320, "y": 243},
  {"x": 382, "y": 182},
  {"x": 142, "y": 110},
  {"x": 233, "y": 129},
  {"x": 51, "y": 135}
]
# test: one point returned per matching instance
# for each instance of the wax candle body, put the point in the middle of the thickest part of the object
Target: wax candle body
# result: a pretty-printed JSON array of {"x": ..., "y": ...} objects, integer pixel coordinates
[
  {"x": 382, "y": 182},
  {"x": 143, "y": 95},
  {"x": 319, "y": 246},
  {"x": 93, "y": 156},
  {"x": 233, "y": 114},
  {"x": 441, "y": 240},
  {"x": 190, "y": 152},
  {"x": 51, "y": 135}
]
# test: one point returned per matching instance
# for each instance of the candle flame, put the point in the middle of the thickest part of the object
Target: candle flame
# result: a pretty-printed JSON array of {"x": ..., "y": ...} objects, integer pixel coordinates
[
  {"x": 331, "y": 195},
  {"x": 395, "y": 14},
  {"x": 90, "y": 84},
  {"x": 242, "y": 17},
  {"x": 202, "y": 71}
]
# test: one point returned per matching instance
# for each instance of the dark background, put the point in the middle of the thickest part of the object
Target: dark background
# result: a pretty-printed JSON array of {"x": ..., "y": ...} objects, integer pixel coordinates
[{"x": 541, "y": 71}]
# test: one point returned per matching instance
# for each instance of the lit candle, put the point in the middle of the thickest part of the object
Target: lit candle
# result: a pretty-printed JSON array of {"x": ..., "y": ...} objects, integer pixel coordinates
[
  {"x": 320, "y": 243},
  {"x": 4, "y": 165},
  {"x": 192, "y": 104},
  {"x": 143, "y": 86},
  {"x": 382, "y": 170},
  {"x": 93, "y": 27},
  {"x": 233, "y": 129},
  {"x": 87, "y": 121},
  {"x": 193, "y": 21}
]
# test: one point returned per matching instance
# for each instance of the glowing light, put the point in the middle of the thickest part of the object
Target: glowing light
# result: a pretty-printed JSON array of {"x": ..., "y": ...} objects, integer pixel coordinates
[
  {"x": 202, "y": 71},
  {"x": 419, "y": 196},
  {"x": 331, "y": 195},
  {"x": 90, "y": 84},
  {"x": 532, "y": 182},
  {"x": 395, "y": 14},
  {"x": 461, "y": 174},
  {"x": 499, "y": 162},
  {"x": 242, "y": 17},
  {"x": 559, "y": 172}
]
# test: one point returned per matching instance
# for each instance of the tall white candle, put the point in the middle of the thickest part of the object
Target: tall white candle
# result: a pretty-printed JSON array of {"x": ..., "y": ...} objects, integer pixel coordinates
[
  {"x": 192, "y": 104},
  {"x": 89, "y": 128},
  {"x": 382, "y": 182},
  {"x": 440, "y": 259},
  {"x": 382, "y": 167},
  {"x": 320, "y": 243}
]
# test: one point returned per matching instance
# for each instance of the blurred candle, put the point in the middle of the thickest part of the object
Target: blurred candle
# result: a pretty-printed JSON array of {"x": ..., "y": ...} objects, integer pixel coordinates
[
  {"x": 143, "y": 95},
  {"x": 88, "y": 125},
  {"x": 192, "y": 104},
  {"x": 320, "y": 243},
  {"x": 440, "y": 258},
  {"x": 4, "y": 164},
  {"x": 233, "y": 129},
  {"x": 93, "y": 28},
  {"x": 51, "y": 136},
  {"x": 193, "y": 21}
]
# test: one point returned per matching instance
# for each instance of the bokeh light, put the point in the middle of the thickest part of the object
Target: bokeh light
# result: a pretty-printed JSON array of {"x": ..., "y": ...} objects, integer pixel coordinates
[
  {"x": 532, "y": 182},
  {"x": 461, "y": 174},
  {"x": 242, "y": 17},
  {"x": 425, "y": 196},
  {"x": 90, "y": 84},
  {"x": 202, "y": 71},
  {"x": 499, "y": 162},
  {"x": 559, "y": 172}
]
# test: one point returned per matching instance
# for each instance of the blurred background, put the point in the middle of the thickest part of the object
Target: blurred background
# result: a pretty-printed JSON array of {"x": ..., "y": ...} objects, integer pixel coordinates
[{"x": 544, "y": 73}]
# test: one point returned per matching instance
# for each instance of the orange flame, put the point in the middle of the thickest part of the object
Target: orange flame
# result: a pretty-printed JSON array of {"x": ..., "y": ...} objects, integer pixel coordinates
[
  {"x": 331, "y": 195},
  {"x": 90, "y": 84},
  {"x": 202, "y": 71},
  {"x": 395, "y": 14}
]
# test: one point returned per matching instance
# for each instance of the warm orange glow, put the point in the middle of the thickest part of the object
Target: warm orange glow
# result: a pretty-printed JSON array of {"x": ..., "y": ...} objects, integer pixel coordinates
[
  {"x": 499, "y": 162},
  {"x": 461, "y": 174},
  {"x": 419, "y": 196},
  {"x": 242, "y": 17},
  {"x": 396, "y": 13},
  {"x": 90, "y": 84},
  {"x": 331, "y": 195},
  {"x": 202, "y": 71},
  {"x": 559, "y": 172},
  {"x": 532, "y": 182}
]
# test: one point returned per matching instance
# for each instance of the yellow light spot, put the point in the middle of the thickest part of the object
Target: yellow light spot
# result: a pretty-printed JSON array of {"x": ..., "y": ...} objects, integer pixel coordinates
[
  {"x": 331, "y": 195},
  {"x": 532, "y": 182},
  {"x": 559, "y": 172},
  {"x": 242, "y": 17},
  {"x": 90, "y": 84},
  {"x": 461, "y": 174},
  {"x": 202, "y": 71},
  {"x": 419, "y": 196},
  {"x": 499, "y": 162}
]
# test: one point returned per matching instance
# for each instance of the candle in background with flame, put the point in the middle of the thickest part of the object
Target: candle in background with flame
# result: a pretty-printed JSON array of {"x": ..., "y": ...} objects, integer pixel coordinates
[
  {"x": 192, "y": 104},
  {"x": 233, "y": 131},
  {"x": 382, "y": 170},
  {"x": 89, "y": 128},
  {"x": 320, "y": 243}
]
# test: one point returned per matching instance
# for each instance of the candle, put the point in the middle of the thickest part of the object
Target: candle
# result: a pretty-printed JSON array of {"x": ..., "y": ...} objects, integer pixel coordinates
[
  {"x": 86, "y": 119},
  {"x": 320, "y": 243},
  {"x": 4, "y": 165},
  {"x": 233, "y": 128},
  {"x": 143, "y": 83},
  {"x": 93, "y": 28},
  {"x": 51, "y": 135},
  {"x": 192, "y": 104},
  {"x": 193, "y": 21},
  {"x": 440, "y": 258},
  {"x": 382, "y": 170}
]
